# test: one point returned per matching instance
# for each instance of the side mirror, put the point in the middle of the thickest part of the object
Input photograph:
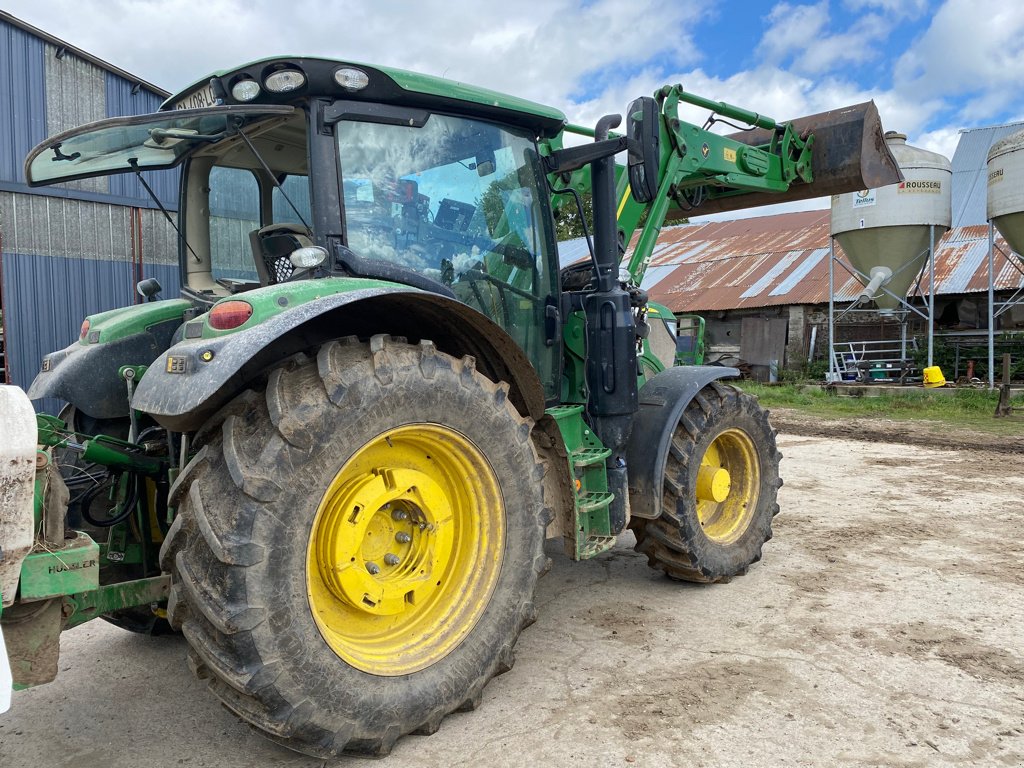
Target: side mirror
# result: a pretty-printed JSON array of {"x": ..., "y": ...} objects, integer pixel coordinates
[
  {"x": 486, "y": 164},
  {"x": 149, "y": 288},
  {"x": 643, "y": 128}
]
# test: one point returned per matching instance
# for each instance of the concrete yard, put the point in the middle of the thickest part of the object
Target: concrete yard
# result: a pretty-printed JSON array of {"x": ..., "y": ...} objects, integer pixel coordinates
[{"x": 884, "y": 627}]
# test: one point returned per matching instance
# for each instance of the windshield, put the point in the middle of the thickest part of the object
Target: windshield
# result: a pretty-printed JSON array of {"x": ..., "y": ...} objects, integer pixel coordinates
[
  {"x": 459, "y": 201},
  {"x": 146, "y": 142}
]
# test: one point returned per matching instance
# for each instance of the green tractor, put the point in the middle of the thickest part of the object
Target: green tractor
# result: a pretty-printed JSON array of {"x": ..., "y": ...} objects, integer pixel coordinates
[{"x": 333, "y": 461}]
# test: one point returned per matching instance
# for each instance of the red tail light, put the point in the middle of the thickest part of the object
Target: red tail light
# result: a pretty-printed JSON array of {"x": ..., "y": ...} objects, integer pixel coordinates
[
  {"x": 230, "y": 314},
  {"x": 85, "y": 329}
]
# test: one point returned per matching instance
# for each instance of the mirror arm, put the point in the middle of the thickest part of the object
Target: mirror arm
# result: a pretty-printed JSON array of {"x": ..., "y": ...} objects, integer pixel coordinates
[{"x": 574, "y": 158}]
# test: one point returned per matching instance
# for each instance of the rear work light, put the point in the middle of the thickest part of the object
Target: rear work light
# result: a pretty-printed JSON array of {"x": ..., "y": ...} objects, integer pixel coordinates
[{"x": 230, "y": 314}]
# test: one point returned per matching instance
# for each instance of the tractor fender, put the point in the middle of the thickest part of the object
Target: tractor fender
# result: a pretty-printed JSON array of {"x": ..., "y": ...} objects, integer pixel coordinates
[
  {"x": 87, "y": 375},
  {"x": 662, "y": 401},
  {"x": 195, "y": 377}
]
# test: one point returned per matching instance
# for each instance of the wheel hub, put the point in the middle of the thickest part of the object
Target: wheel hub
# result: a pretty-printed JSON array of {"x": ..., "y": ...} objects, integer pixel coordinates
[
  {"x": 728, "y": 486},
  {"x": 364, "y": 529},
  {"x": 713, "y": 483},
  {"x": 405, "y": 549}
]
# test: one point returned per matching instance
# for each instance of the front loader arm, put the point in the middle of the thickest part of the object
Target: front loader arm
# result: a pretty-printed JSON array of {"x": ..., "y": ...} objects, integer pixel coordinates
[{"x": 700, "y": 171}]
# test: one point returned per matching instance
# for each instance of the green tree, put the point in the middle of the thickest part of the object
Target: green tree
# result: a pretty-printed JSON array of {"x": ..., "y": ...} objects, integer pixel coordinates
[{"x": 568, "y": 223}]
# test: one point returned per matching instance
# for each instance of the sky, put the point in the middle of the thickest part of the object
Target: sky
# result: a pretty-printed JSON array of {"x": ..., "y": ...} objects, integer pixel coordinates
[{"x": 932, "y": 67}]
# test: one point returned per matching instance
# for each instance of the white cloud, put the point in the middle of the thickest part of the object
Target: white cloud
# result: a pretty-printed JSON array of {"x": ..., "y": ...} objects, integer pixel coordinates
[
  {"x": 592, "y": 58},
  {"x": 800, "y": 35},
  {"x": 544, "y": 54},
  {"x": 894, "y": 8},
  {"x": 791, "y": 28},
  {"x": 943, "y": 141},
  {"x": 972, "y": 47}
]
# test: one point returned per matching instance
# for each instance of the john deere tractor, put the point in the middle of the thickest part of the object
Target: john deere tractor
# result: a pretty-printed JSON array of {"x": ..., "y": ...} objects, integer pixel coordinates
[{"x": 333, "y": 461}]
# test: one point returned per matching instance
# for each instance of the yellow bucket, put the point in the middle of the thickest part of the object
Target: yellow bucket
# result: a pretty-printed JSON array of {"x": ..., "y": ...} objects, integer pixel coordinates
[{"x": 933, "y": 377}]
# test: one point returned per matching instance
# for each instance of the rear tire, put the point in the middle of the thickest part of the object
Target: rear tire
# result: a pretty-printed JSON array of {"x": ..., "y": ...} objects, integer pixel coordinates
[
  {"x": 720, "y": 489},
  {"x": 267, "y": 572}
]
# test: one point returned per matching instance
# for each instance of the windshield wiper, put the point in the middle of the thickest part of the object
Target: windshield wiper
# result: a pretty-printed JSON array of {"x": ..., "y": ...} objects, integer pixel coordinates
[{"x": 160, "y": 135}]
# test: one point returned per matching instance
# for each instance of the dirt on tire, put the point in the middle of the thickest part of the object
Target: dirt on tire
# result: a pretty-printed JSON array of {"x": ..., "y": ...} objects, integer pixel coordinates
[
  {"x": 677, "y": 542},
  {"x": 237, "y": 550}
]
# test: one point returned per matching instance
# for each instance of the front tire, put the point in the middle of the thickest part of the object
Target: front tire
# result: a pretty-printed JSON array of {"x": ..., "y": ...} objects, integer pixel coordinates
[
  {"x": 719, "y": 490},
  {"x": 356, "y": 550}
]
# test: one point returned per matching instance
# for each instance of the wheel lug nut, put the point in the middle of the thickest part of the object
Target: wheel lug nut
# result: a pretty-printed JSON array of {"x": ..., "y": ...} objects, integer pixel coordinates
[
  {"x": 391, "y": 559},
  {"x": 373, "y": 569},
  {"x": 402, "y": 537},
  {"x": 399, "y": 515}
]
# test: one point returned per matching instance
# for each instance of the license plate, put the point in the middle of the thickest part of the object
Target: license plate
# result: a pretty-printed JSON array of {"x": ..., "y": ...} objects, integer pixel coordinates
[{"x": 198, "y": 99}]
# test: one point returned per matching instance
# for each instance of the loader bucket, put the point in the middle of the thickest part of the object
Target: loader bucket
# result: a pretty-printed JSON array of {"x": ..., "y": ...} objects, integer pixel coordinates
[{"x": 849, "y": 154}]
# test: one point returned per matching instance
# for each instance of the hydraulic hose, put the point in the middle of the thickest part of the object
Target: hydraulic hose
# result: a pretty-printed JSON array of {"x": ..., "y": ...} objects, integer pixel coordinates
[{"x": 131, "y": 499}]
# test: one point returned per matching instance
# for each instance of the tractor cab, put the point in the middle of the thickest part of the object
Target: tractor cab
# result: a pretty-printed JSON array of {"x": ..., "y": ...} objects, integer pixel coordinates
[{"x": 411, "y": 187}]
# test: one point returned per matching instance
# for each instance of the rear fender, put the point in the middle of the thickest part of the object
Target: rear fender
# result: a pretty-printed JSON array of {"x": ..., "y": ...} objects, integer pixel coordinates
[
  {"x": 662, "y": 401},
  {"x": 85, "y": 373},
  {"x": 197, "y": 376}
]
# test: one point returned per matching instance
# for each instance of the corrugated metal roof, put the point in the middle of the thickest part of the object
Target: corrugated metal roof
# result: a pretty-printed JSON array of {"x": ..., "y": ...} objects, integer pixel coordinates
[
  {"x": 783, "y": 259},
  {"x": 970, "y": 172},
  {"x": 571, "y": 251}
]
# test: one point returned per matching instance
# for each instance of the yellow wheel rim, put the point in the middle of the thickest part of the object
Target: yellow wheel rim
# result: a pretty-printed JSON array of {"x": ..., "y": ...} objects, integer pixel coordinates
[
  {"x": 728, "y": 485},
  {"x": 405, "y": 549}
]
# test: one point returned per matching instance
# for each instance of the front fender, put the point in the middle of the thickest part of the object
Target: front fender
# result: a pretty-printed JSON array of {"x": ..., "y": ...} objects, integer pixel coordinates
[
  {"x": 662, "y": 401},
  {"x": 197, "y": 376}
]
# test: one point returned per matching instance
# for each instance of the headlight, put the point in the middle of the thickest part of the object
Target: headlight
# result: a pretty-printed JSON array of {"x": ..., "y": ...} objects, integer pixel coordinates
[
  {"x": 308, "y": 257},
  {"x": 284, "y": 80},
  {"x": 245, "y": 90},
  {"x": 351, "y": 79}
]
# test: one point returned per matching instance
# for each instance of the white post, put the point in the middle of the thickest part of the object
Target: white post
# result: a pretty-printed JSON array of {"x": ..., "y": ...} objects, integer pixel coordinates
[
  {"x": 831, "y": 310},
  {"x": 931, "y": 294},
  {"x": 991, "y": 308}
]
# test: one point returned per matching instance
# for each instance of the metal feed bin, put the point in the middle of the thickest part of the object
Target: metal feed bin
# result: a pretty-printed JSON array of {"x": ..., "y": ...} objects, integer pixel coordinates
[
  {"x": 1005, "y": 212},
  {"x": 888, "y": 235}
]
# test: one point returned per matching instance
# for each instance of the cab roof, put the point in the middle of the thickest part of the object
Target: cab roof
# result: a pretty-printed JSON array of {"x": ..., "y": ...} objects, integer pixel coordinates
[{"x": 385, "y": 84}]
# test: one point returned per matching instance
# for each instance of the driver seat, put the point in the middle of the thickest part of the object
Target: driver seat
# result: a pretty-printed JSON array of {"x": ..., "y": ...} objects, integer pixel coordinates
[{"x": 271, "y": 246}]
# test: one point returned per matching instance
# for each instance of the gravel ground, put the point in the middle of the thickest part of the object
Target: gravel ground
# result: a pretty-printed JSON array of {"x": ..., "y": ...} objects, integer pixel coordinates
[{"x": 883, "y": 628}]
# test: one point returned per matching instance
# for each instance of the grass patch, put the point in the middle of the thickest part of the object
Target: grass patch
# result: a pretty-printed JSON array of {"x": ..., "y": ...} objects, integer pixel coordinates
[{"x": 963, "y": 408}]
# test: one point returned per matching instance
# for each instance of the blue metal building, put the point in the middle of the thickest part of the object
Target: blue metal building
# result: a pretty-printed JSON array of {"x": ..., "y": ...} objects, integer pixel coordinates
[{"x": 74, "y": 249}]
